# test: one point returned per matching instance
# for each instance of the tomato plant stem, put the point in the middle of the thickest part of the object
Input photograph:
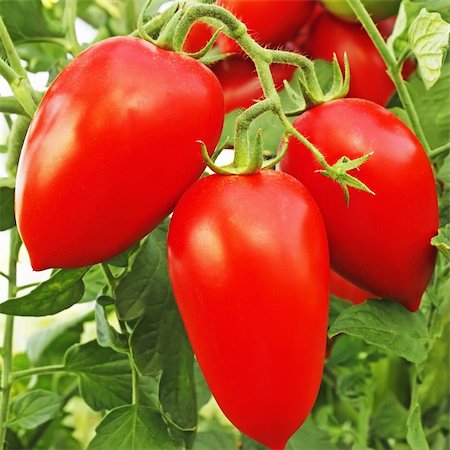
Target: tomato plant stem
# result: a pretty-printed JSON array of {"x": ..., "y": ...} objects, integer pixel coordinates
[
  {"x": 393, "y": 68},
  {"x": 10, "y": 105},
  {"x": 130, "y": 14},
  {"x": 44, "y": 370},
  {"x": 7, "y": 351},
  {"x": 69, "y": 17}
]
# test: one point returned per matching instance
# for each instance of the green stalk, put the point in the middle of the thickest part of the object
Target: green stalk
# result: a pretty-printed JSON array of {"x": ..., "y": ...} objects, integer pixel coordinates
[
  {"x": 7, "y": 351},
  {"x": 70, "y": 14},
  {"x": 15, "y": 74},
  {"x": 10, "y": 105},
  {"x": 44, "y": 370},
  {"x": 393, "y": 68}
]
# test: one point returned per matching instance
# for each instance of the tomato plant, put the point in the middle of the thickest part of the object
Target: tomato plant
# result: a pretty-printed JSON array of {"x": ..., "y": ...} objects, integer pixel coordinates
[
  {"x": 270, "y": 22},
  {"x": 260, "y": 298},
  {"x": 369, "y": 78},
  {"x": 98, "y": 125},
  {"x": 369, "y": 242},
  {"x": 378, "y": 9}
]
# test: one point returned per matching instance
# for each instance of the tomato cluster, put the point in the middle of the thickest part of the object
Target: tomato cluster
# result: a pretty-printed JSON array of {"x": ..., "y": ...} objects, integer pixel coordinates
[{"x": 249, "y": 255}]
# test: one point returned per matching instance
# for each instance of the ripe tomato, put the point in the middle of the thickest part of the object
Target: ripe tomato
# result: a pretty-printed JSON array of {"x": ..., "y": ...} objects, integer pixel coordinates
[
  {"x": 342, "y": 288},
  {"x": 240, "y": 83},
  {"x": 380, "y": 242},
  {"x": 111, "y": 149},
  {"x": 248, "y": 262},
  {"x": 378, "y": 9},
  {"x": 270, "y": 22},
  {"x": 368, "y": 76}
]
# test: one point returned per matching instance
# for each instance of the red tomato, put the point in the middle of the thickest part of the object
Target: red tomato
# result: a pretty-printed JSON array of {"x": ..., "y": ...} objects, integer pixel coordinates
[
  {"x": 368, "y": 76},
  {"x": 270, "y": 22},
  {"x": 342, "y": 288},
  {"x": 379, "y": 242},
  {"x": 248, "y": 261},
  {"x": 240, "y": 83},
  {"x": 111, "y": 149}
]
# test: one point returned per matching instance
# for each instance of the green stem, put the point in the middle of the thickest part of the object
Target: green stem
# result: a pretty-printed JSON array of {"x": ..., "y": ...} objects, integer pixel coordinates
[
  {"x": 10, "y": 105},
  {"x": 130, "y": 14},
  {"x": 394, "y": 70},
  {"x": 112, "y": 281},
  {"x": 439, "y": 150},
  {"x": 4, "y": 275},
  {"x": 70, "y": 14},
  {"x": 44, "y": 370},
  {"x": 135, "y": 381},
  {"x": 7, "y": 353},
  {"x": 10, "y": 50}
]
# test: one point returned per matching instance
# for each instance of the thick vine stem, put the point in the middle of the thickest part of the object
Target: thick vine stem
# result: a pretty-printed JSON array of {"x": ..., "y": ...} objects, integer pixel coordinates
[
  {"x": 394, "y": 69},
  {"x": 7, "y": 350},
  {"x": 15, "y": 74},
  {"x": 69, "y": 16}
]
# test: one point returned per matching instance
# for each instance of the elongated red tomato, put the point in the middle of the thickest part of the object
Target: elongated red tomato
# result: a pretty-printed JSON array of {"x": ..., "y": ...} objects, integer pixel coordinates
[
  {"x": 379, "y": 242},
  {"x": 248, "y": 261},
  {"x": 270, "y": 22},
  {"x": 368, "y": 73},
  {"x": 111, "y": 149}
]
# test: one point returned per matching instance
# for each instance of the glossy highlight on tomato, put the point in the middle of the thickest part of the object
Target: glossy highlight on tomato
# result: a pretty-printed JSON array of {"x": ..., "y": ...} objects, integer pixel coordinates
[
  {"x": 368, "y": 72},
  {"x": 379, "y": 242},
  {"x": 248, "y": 262},
  {"x": 270, "y": 22},
  {"x": 112, "y": 147}
]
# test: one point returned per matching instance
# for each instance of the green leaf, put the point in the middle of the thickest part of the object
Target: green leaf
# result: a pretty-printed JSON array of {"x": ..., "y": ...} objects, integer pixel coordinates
[
  {"x": 104, "y": 375},
  {"x": 58, "y": 436},
  {"x": 34, "y": 408},
  {"x": 94, "y": 283},
  {"x": 29, "y": 19},
  {"x": 387, "y": 325},
  {"x": 146, "y": 281},
  {"x": 122, "y": 259},
  {"x": 433, "y": 106},
  {"x": 215, "y": 439},
  {"x": 415, "y": 434},
  {"x": 108, "y": 336},
  {"x": 398, "y": 41},
  {"x": 389, "y": 418},
  {"x": 428, "y": 38},
  {"x": 60, "y": 292},
  {"x": 48, "y": 345},
  {"x": 43, "y": 57},
  {"x": 132, "y": 428},
  {"x": 202, "y": 391},
  {"x": 7, "y": 219},
  {"x": 442, "y": 241},
  {"x": 158, "y": 341}
]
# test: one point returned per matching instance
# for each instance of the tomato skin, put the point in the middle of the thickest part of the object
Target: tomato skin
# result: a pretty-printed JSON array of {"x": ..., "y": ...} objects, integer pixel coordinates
[
  {"x": 380, "y": 242},
  {"x": 240, "y": 83},
  {"x": 378, "y": 9},
  {"x": 342, "y": 288},
  {"x": 97, "y": 169},
  {"x": 271, "y": 22},
  {"x": 248, "y": 261},
  {"x": 368, "y": 76}
]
